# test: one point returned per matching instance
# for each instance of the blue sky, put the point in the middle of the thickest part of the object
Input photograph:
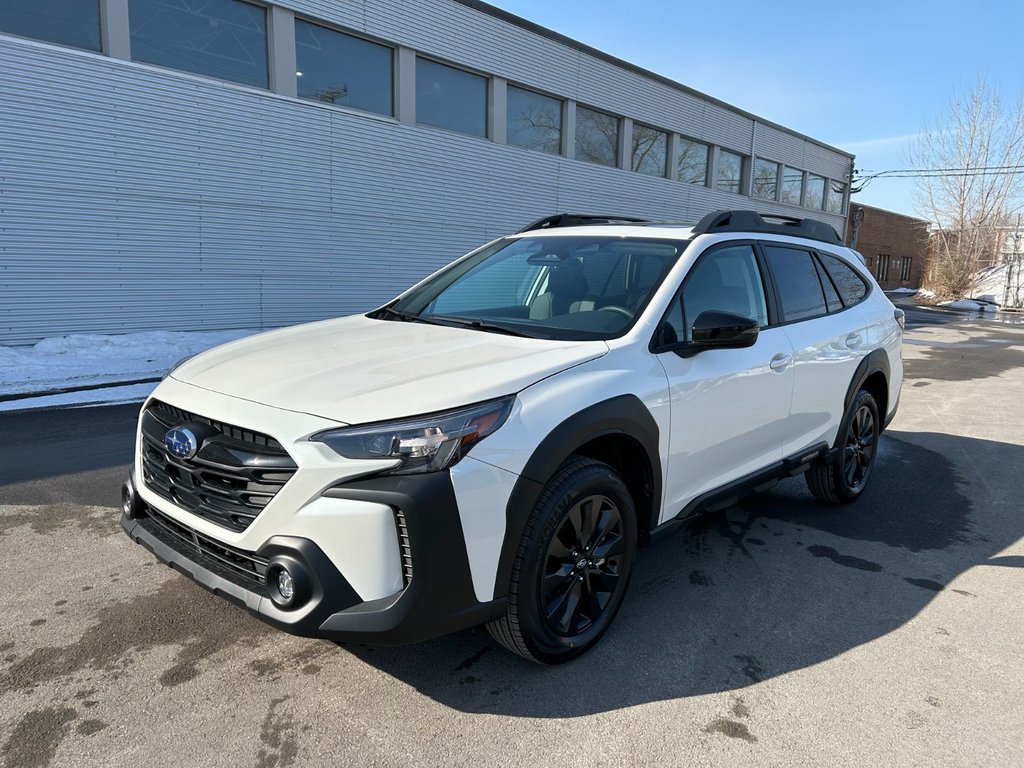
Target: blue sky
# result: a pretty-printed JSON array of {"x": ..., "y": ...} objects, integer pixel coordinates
[{"x": 861, "y": 76}]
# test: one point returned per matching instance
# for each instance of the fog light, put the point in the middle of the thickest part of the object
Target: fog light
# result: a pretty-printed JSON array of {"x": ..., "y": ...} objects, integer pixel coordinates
[
  {"x": 285, "y": 585},
  {"x": 288, "y": 584}
]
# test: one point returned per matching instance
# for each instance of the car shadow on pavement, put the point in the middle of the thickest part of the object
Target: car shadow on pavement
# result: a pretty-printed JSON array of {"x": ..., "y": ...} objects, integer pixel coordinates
[{"x": 773, "y": 585}]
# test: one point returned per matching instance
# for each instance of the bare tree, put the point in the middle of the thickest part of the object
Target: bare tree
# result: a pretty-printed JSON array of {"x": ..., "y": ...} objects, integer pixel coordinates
[{"x": 978, "y": 149}]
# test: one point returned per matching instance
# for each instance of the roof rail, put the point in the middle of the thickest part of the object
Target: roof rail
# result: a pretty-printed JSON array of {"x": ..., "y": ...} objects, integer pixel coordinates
[
  {"x": 752, "y": 221},
  {"x": 580, "y": 220}
]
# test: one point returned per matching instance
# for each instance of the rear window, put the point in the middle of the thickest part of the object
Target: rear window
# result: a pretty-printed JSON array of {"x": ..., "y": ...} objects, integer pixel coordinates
[
  {"x": 797, "y": 280},
  {"x": 851, "y": 285}
]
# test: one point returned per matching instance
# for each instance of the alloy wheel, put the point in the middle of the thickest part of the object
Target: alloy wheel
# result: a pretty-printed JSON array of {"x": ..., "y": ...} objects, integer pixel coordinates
[
  {"x": 582, "y": 567},
  {"x": 861, "y": 443}
]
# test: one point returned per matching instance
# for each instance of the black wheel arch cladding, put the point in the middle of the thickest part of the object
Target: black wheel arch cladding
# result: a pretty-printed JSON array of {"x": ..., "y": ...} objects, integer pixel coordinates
[
  {"x": 624, "y": 415},
  {"x": 877, "y": 361}
]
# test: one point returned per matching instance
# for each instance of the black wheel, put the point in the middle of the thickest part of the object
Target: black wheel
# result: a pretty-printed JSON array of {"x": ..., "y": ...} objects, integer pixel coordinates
[
  {"x": 573, "y": 564},
  {"x": 844, "y": 476}
]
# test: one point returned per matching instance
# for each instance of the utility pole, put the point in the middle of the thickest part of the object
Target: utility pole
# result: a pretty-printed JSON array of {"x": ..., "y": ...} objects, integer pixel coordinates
[{"x": 857, "y": 217}]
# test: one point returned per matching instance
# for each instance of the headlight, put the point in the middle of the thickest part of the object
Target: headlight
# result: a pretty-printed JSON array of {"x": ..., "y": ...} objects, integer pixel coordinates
[
  {"x": 176, "y": 366},
  {"x": 424, "y": 443}
]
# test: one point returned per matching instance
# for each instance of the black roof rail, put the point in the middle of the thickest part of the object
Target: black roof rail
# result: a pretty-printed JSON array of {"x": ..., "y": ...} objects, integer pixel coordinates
[
  {"x": 752, "y": 221},
  {"x": 579, "y": 220}
]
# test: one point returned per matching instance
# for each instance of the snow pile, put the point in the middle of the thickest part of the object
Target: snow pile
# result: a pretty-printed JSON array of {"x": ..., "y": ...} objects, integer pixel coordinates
[
  {"x": 87, "y": 359},
  {"x": 970, "y": 305},
  {"x": 990, "y": 283},
  {"x": 924, "y": 293},
  {"x": 903, "y": 290}
]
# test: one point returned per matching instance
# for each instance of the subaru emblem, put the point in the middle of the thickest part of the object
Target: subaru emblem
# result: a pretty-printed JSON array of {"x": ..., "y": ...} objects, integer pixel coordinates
[{"x": 181, "y": 443}]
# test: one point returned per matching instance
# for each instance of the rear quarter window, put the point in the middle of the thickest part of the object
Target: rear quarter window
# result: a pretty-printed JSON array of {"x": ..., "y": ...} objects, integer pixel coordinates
[{"x": 848, "y": 282}]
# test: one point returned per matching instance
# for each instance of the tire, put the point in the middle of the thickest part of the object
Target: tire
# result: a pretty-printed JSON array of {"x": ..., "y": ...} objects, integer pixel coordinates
[
  {"x": 562, "y": 597},
  {"x": 843, "y": 476}
]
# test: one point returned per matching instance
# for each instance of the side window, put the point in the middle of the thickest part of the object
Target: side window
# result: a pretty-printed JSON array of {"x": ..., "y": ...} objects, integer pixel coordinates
[
  {"x": 831, "y": 296},
  {"x": 851, "y": 286},
  {"x": 797, "y": 279},
  {"x": 726, "y": 279}
]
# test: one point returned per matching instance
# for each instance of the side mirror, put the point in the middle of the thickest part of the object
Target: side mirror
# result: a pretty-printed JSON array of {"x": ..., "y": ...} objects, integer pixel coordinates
[{"x": 724, "y": 330}]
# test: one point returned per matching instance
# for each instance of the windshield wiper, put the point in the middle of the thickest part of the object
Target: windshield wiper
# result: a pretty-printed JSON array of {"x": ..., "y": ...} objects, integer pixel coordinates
[
  {"x": 480, "y": 325},
  {"x": 397, "y": 313}
]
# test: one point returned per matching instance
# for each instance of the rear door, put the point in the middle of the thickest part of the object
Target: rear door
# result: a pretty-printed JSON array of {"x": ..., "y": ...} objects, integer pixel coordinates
[
  {"x": 728, "y": 406},
  {"x": 827, "y": 335}
]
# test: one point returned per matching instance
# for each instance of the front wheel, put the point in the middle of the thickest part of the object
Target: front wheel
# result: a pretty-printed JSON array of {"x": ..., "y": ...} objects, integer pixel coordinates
[
  {"x": 573, "y": 565},
  {"x": 843, "y": 476}
]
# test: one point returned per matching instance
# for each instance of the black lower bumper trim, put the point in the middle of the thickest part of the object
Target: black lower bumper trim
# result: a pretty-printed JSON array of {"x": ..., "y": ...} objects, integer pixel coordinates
[{"x": 438, "y": 600}]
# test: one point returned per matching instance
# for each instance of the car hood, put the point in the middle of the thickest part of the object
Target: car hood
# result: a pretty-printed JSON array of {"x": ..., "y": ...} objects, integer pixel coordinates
[{"x": 356, "y": 369}]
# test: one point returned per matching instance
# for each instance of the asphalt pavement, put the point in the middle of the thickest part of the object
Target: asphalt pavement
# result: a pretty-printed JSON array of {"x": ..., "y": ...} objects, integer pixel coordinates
[{"x": 780, "y": 632}]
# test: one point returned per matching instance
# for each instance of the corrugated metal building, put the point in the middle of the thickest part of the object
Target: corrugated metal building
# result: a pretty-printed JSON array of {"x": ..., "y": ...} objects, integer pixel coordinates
[{"x": 206, "y": 164}]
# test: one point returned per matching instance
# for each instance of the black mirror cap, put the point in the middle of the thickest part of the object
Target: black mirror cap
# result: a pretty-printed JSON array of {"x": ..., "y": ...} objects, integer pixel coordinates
[{"x": 724, "y": 329}]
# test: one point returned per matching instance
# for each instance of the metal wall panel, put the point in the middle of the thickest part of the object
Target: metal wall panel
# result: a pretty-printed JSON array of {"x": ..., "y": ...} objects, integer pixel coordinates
[{"x": 135, "y": 198}]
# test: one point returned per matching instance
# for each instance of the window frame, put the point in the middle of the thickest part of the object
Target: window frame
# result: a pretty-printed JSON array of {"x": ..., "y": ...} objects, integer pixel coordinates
[
  {"x": 331, "y": 27},
  {"x": 488, "y": 87},
  {"x": 821, "y": 268},
  {"x": 266, "y": 87},
  {"x": 868, "y": 287},
  {"x": 753, "y": 174},
  {"x": 680, "y": 140},
  {"x": 618, "y": 136},
  {"x": 744, "y": 172},
  {"x": 769, "y": 298},
  {"x": 100, "y": 48},
  {"x": 561, "y": 117},
  {"x": 633, "y": 147}
]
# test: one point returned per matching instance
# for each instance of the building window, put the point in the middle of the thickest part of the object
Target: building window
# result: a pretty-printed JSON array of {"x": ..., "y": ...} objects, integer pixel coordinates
[
  {"x": 534, "y": 121},
  {"x": 693, "y": 162},
  {"x": 815, "y": 192},
  {"x": 792, "y": 185},
  {"x": 730, "y": 172},
  {"x": 882, "y": 270},
  {"x": 341, "y": 69},
  {"x": 836, "y": 193},
  {"x": 905, "y": 266},
  {"x": 226, "y": 39},
  {"x": 650, "y": 151},
  {"x": 55, "y": 21},
  {"x": 765, "y": 180},
  {"x": 597, "y": 137},
  {"x": 450, "y": 98}
]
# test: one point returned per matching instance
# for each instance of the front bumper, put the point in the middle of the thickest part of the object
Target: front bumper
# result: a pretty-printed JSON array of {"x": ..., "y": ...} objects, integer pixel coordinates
[{"x": 438, "y": 599}]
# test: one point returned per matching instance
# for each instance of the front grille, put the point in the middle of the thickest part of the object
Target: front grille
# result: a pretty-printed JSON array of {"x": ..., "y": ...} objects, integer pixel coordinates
[
  {"x": 233, "y": 476},
  {"x": 237, "y": 565}
]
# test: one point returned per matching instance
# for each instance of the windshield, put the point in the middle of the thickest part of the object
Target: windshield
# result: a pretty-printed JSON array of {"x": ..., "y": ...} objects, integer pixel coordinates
[{"x": 573, "y": 288}]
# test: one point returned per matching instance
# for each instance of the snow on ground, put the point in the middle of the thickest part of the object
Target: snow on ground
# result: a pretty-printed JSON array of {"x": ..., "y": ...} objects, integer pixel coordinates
[
  {"x": 85, "y": 359},
  {"x": 970, "y": 304},
  {"x": 106, "y": 396},
  {"x": 924, "y": 293},
  {"x": 990, "y": 283},
  {"x": 903, "y": 290}
]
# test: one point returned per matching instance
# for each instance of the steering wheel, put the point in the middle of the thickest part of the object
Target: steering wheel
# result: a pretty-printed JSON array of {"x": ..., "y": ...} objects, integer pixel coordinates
[{"x": 615, "y": 308}]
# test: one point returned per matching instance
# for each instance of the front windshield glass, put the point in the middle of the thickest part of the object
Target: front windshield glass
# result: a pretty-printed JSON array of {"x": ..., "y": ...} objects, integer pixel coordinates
[{"x": 547, "y": 287}]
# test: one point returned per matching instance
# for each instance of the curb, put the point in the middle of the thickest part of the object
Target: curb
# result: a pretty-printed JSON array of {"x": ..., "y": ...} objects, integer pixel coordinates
[{"x": 68, "y": 390}]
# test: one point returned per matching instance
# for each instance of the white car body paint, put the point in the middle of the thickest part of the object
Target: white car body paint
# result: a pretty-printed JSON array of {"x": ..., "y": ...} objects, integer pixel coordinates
[{"x": 721, "y": 415}]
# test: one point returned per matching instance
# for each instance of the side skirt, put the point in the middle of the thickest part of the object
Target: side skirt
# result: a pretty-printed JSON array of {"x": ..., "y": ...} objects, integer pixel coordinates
[{"x": 729, "y": 494}]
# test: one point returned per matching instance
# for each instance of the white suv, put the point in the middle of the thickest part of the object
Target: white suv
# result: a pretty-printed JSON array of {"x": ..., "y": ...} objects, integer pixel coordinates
[{"x": 494, "y": 445}]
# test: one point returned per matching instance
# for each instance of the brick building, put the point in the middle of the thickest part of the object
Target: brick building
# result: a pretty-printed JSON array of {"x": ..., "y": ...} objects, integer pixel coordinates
[{"x": 895, "y": 246}]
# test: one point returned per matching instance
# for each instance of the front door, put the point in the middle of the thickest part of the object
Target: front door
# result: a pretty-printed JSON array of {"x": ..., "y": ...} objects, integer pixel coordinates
[{"x": 728, "y": 406}]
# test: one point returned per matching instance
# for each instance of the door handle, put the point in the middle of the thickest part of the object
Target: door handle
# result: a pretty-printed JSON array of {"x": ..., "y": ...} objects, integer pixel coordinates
[
  {"x": 780, "y": 362},
  {"x": 853, "y": 340}
]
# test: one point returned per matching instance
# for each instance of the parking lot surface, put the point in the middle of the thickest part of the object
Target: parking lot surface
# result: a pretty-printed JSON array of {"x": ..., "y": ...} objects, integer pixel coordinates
[{"x": 780, "y": 632}]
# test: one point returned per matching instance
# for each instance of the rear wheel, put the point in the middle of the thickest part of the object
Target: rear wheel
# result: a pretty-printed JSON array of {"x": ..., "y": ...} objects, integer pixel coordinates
[
  {"x": 844, "y": 475},
  {"x": 572, "y": 568}
]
